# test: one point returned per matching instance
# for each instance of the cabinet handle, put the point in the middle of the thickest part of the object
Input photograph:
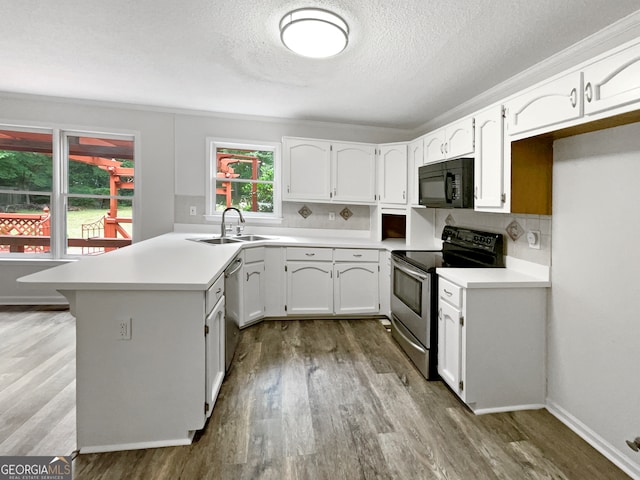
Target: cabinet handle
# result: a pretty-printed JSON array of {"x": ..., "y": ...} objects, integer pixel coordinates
[
  {"x": 218, "y": 291},
  {"x": 574, "y": 97},
  {"x": 440, "y": 313},
  {"x": 335, "y": 192},
  {"x": 448, "y": 292},
  {"x": 404, "y": 195},
  {"x": 588, "y": 92},
  {"x": 309, "y": 254},
  {"x": 475, "y": 193},
  {"x": 442, "y": 148},
  {"x": 288, "y": 189},
  {"x": 357, "y": 255}
]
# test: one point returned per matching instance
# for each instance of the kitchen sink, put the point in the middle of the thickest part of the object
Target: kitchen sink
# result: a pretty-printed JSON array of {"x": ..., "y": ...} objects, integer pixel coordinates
[
  {"x": 249, "y": 238},
  {"x": 217, "y": 240}
]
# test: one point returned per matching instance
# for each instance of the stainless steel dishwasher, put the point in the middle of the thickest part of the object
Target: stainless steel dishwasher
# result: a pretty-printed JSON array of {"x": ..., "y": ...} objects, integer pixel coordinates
[{"x": 233, "y": 307}]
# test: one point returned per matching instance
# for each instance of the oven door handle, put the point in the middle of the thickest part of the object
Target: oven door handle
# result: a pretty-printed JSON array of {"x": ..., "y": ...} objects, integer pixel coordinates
[
  {"x": 399, "y": 329},
  {"x": 409, "y": 271}
]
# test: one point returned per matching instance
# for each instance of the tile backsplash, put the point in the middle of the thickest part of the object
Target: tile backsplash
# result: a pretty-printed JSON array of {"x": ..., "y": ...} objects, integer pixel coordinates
[
  {"x": 498, "y": 223},
  {"x": 356, "y": 217}
]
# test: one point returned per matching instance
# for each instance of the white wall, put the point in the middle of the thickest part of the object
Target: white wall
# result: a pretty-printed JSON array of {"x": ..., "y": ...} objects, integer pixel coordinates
[{"x": 594, "y": 306}]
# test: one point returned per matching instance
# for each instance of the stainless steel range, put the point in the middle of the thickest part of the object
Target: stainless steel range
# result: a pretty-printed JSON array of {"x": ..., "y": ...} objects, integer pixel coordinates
[{"x": 414, "y": 288}]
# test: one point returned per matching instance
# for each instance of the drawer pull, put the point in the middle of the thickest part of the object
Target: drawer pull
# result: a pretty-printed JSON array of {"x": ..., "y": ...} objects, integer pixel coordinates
[
  {"x": 447, "y": 292},
  {"x": 358, "y": 255},
  {"x": 309, "y": 254},
  {"x": 218, "y": 291}
]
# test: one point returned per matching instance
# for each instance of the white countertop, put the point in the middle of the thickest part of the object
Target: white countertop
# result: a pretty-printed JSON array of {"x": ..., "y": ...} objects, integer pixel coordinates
[
  {"x": 170, "y": 262},
  {"x": 494, "y": 277}
]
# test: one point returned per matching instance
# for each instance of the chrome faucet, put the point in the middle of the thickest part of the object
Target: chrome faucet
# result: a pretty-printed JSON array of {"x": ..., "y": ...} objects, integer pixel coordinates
[{"x": 223, "y": 230}]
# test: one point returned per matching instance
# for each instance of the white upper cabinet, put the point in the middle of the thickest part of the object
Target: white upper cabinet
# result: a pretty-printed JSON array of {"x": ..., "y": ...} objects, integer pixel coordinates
[
  {"x": 354, "y": 172},
  {"x": 307, "y": 169},
  {"x": 613, "y": 81},
  {"x": 392, "y": 166},
  {"x": 434, "y": 146},
  {"x": 546, "y": 105},
  {"x": 489, "y": 160},
  {"x": 459, "y": 138},
  {"x": 415, "y": 161},
  {"x": 325, "y": 171},
  {"x": 453, "y": 141}
]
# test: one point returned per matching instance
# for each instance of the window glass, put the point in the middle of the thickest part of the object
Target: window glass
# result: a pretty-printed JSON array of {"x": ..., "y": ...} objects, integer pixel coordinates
[
  {"x": 244, "y": 178},
  {"x": 26, "y": 176}
]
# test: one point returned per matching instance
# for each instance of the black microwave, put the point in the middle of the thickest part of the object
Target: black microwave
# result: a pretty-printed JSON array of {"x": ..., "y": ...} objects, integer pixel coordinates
[{"x": 447, "y": 184}]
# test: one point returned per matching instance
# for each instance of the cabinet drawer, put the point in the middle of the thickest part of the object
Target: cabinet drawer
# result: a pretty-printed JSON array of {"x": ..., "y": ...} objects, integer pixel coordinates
[
  {"x": 254, "y": 254},
  {"x": 450, "y": 292},
  {"x": 355, "y": 255},
  {"x": 309, "y": 254},
  {"x": 214, "y": 293}
]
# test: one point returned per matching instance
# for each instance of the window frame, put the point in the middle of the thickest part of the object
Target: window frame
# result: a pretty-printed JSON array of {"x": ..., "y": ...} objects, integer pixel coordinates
[
  {"x": 212, "y": 145},
  {"x": 59, "y": 186}
]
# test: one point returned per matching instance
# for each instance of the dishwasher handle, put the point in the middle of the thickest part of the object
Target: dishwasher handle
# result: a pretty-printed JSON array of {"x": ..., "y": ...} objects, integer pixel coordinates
[{"x": 235, "y": 270}]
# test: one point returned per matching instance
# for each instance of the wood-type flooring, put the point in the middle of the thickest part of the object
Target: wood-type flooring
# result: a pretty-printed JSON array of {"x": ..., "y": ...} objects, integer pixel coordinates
[{"x": 304, "y": 399}]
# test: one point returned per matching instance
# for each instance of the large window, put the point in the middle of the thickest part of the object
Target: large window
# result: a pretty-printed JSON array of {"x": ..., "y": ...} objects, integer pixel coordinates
[
  {"x": 242, "y": 175},
  {"x": 64, "y": 193}
]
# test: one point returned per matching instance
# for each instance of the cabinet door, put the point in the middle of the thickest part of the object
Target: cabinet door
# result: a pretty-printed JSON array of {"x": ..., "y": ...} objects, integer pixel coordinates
[
  {"x": 449, "y": 344},
  {"x": 356, "y": 288},
  {"x": 214, "y": 354},
  {"x": 309, "y": 288},
  {"x": 393, "y": 174},
  {"x": 415, "y": 161},
  {"x": 489, "y": 159},
  {"x": 459, "y": 138},
  {"x": 613, "y": 81},
  {"x": 434, "y": 147},
  {"x": 307, "y": 170},
  {"x": 253, "y": 293},
  {"x": 554, "y": 102},
  {"x": 354, "y": 172}
]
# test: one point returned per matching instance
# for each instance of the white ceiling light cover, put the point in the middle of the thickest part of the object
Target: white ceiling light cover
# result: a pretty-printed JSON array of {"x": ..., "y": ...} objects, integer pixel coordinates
[{"x": 313, "y": 32}]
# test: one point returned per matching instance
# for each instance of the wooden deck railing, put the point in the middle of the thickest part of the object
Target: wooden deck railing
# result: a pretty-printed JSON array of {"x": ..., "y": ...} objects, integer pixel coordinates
[{"x": 17, "y": 243}]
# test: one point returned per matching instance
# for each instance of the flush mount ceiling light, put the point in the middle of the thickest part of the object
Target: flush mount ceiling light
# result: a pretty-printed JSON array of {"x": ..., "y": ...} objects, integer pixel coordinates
[{"x": 313, "y": 32}]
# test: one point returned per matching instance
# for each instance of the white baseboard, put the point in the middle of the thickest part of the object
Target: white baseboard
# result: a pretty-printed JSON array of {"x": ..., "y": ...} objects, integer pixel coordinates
[
  {"x": 138, "y": 445},
  {"x": 595, "y": 440},
  {"x": 52, "y": 300},
  {"x": 513, "y": 408}
]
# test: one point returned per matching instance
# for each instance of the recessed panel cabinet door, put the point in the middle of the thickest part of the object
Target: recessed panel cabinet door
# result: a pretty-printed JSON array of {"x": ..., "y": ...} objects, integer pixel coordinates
[
  {"x": 415, "y": 161},
  {"x": 459, "y": 138},
  {"x": 356, "y": 288},
  {"x": 434, "y": 147},
  {"x": 613, "y": 81},
  {"x": 214, "y": 355},
  {"x": 546, "y": 105},
  {"x": 354, "y": 173},
  {"x": 449, "y": 343},
  {"x": 309, "y": 288},
  {"x": 393, "y": 174},
  {"x": 307, "y": 170},
  {"x": 489, "y": 159},
  {"x": 253, "y": 292}
]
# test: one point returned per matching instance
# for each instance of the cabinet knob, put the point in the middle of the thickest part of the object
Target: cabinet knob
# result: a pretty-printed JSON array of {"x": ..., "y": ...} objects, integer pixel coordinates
[{"x": 588, "y": 92}]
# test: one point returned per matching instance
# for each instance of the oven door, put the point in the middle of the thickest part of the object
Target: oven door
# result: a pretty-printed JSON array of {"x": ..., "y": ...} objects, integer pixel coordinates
[{"x": 410, "y": 299}]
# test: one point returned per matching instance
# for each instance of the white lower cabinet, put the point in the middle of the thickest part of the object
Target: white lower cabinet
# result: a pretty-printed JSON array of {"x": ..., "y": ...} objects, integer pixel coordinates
[
  {"x": 355, "y": 284},
  {"x": 214, "y": 355},
  {"x": 323, "y": 281},
  {"x": 491, "y": 345},
  {"x": 309, "y": 288},
  {"x": 253, "y": 286}
]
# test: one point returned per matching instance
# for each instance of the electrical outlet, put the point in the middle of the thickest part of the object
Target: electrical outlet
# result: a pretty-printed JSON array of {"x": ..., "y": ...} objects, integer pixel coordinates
[
  {"x": 332, "y": 216},
  {"x": 192, "y": 211},
  {"x": 534, "y": 239},
  {"x": 124, "y": 328}
]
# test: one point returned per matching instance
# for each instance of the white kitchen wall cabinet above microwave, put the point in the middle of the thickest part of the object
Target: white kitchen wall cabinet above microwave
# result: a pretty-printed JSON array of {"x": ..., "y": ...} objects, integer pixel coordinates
[
  {"x": 452, "y": 141},
  {"x": 489, "y": 174},
  {"x": 325, "y": 171},
  {"x": 392, "y": 168}
]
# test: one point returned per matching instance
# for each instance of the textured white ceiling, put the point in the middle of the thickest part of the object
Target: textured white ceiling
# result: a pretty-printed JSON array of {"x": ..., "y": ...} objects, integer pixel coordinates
[{"x": 407, "y": 62}]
